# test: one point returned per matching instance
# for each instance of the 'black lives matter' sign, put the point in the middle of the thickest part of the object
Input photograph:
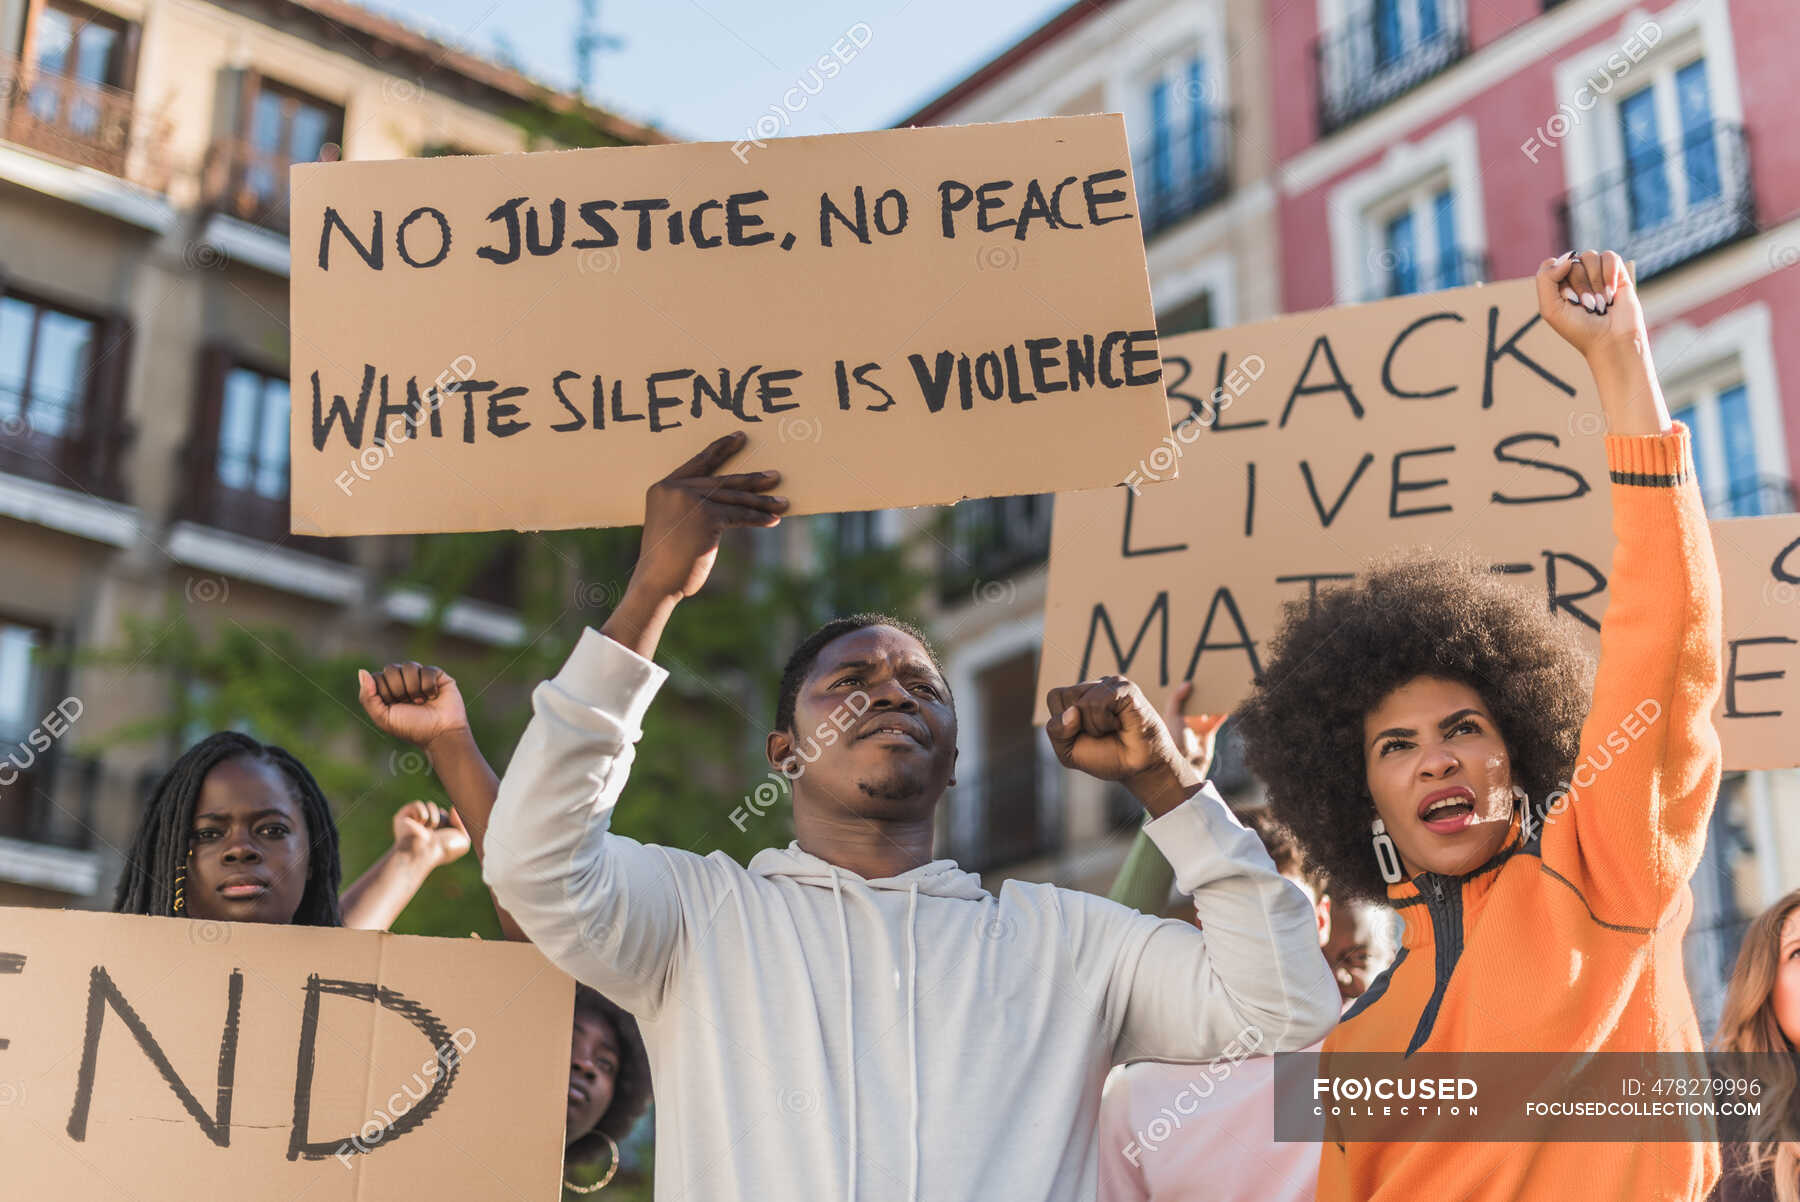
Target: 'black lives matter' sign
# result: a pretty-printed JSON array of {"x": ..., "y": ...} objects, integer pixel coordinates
[
  {"x": 895, "y": 318},
  {"x": 1455, "y": 420}
]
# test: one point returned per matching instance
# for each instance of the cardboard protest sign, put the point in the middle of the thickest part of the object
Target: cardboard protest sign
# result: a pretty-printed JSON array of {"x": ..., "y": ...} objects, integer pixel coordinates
[
  {"x": 1311, "y": 443},
  {"x": 895, "y": 318},
  {"x": 162, "y": 1058},
  {"x": 1759, "y": 563}
]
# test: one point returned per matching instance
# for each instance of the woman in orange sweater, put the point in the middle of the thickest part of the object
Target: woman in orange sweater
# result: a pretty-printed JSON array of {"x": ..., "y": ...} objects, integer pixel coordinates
[{"x": 1416, "y": 731}]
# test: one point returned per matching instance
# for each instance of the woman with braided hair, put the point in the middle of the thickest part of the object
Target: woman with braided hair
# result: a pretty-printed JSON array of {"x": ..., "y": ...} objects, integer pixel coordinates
[
  {"x": 609, "y": 1066},
  {"x": 239, "y": 831}
]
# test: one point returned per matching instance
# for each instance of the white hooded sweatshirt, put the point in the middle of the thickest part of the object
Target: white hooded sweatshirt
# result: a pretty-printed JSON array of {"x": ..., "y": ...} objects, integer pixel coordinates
[{"x": 816, "y": 1035}]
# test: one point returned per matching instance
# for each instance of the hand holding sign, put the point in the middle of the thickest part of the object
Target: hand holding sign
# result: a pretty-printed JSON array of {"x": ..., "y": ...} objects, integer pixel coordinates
[
  {"x": 685, "y": 515},
  {"x": 1108, "y": 729}
]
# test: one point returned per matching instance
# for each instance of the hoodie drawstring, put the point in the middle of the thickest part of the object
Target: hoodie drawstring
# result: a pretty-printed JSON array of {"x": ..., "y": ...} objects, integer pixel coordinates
[
  {"x": 912, "y": 1028},
  {"x": 912, "y": 1034},
  {"x": 837, "y": 892}
]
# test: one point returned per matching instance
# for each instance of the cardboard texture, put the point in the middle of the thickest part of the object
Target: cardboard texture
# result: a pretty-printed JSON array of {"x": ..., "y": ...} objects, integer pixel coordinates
[
  {"x": 1455, "y": 420},
  {"x": 896, "y": 318},
  {"x": 118, "y": 1055}
]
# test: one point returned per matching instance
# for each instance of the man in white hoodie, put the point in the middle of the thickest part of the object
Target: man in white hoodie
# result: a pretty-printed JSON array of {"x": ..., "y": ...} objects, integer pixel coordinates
[{"x": 848, "y": 1018}]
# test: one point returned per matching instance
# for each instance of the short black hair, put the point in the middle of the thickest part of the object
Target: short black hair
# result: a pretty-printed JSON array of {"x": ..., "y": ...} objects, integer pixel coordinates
[
  {"x": 165, "y": 831},
  {"x": 807, "y": 653},
  {"x": 631, "y": 1084},
  {"x": 1409, "y": 616}
]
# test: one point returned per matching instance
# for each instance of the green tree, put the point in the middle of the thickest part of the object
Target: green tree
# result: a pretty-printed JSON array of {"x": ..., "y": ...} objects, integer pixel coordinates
[{"x": 702, "y": 752}]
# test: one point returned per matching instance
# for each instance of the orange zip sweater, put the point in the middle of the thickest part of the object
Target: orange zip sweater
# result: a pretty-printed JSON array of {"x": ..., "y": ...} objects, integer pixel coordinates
[{"x": 1571, "y": 941}]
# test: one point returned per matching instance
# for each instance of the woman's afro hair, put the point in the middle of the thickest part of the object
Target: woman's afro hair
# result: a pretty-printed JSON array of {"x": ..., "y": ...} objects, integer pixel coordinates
[
  {"x": 631, "y": 1087},
  {"x": 1405, "y": 617}
]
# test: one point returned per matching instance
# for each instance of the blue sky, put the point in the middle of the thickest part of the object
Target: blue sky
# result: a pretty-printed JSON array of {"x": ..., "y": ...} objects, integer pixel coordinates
[{"x": 709, "y": 70}]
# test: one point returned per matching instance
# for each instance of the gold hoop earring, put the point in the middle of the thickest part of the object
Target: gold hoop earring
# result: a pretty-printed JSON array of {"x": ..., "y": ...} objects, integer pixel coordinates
[{"x": 600, "y": 1184}]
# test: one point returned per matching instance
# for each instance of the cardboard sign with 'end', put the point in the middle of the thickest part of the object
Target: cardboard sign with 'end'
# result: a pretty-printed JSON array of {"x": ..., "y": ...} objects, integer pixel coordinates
[
  {"x": 1456, "y": 421},
  {"x": 166, "y": 1059},
  {"x": 896, "y": 318}
]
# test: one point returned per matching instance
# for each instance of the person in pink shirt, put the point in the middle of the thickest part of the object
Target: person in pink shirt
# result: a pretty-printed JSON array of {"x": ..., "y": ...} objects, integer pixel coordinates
[{"x": 1206, "y": 1132}]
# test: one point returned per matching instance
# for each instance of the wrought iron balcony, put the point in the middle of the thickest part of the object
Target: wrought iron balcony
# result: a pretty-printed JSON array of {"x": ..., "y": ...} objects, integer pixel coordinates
[
  {"x": 249, "y": 183},
  {"x": 75, "y": 444},
  {"x": 69, "y": 118},
  {"x": 1382, "y": 52},
  {"x": 1662, "y": 209},
  {"x": 992, "y": 538},
  {"x": 1757, "y": 496},
  {"x": 1181, "y": 172},
  {"x": 209, "y": 501}
]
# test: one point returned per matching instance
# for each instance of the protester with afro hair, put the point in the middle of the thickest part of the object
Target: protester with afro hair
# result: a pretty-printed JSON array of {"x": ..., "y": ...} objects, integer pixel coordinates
[{"x": 1415, "y": 730}]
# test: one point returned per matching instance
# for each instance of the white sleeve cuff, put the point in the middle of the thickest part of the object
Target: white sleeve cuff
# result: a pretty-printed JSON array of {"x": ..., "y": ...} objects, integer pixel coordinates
[
  {"x": 612, "y": 678},
  {"x": 1203, "y": 840}
]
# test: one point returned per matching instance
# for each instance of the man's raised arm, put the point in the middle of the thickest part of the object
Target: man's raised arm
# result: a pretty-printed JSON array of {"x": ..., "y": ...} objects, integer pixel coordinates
[
  {"x": 1252, "y": 980},
  {"x": 605, "y": 908}
]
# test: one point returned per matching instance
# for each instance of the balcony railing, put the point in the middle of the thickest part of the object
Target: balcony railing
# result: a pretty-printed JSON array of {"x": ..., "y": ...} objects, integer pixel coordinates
[
  {"x": 1376, "y": 56},
  {"x": 51, "y": 801},
  {"x": 1404, "y": 276},
  {"x": 1758, "y": 496},
  {"x": 1688, "y": 197},
  {"x": 1183, "y": 171},
  {"x": 992, "y": 538},
  {"x": 72, "y": 119},
  {"x": 73, "y": 447},
  {"x": 248, "y": 183},
  {"x": 209, "y": 501}
]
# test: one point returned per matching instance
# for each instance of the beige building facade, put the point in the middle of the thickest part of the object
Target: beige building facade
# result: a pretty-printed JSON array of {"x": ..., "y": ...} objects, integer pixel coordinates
[{"x": 144, "y": 147}]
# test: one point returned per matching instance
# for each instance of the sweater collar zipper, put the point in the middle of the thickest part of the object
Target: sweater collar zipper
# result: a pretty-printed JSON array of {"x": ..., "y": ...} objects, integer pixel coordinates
[{"x": 1444, "y": 903}]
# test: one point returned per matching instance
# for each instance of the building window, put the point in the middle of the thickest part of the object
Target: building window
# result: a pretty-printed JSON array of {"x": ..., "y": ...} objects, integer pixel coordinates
[
  {"x": 25, "y": 696},
  {"x": 278, "y": 127},
  {"x": 253, "y": 434},
  {"x": 1734, "y": 480},
  {"x": 1420, "y": 249},
  {"x": 46, "y": 364},
  {"x": 1413, "y": 222},
  {"x": 236, "y": 464},
  {"x": 1660, "y": 166},
  {"x": 1376, "y": 53},
  {"x": 77, "y": 103},
  {"x": 1182, "y": 164},
  {"x": 1666, "y": 175},
  {"x": 1190, "y": 315},
  {"x": 1013, "y": 822},
  {"x": 990, "y": 539}
]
